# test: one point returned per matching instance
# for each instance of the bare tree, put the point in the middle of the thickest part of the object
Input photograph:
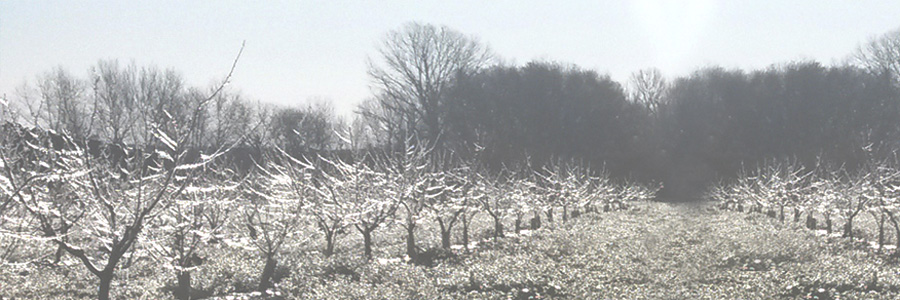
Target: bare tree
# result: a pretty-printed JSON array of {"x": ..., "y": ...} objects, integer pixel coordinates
[
  {"x": 468, "y": 187},
  {"x": 192, "y": 220},
  {"x": 383, "y": 125},
  {"x": 411, "y": 186},
  {"x": 496, "y": 202},
  {"x": 230, "y": 119},
  {"x": 420, "y": 64},
  {"x": 305, "y": 129},
  {"x": 62, "y": 106},
  {"x": 363, "y": 189},
  {"x": 114, "y": 92},
  {"x": 109, "y": 203},
  {"x": 448, "y": 193},
  {"x": 330, "y": 208},
  {"x": 881, "y": 55},
  {"x": 274, "y": 212},
  {"x": 649, "y": 88},
  {"x": 567, "y": 184}
]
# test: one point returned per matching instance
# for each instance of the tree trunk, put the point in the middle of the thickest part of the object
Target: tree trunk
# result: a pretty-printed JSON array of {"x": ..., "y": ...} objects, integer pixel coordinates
[
  {"x": 828, "y": 224},
  {"x": 498, "y": 228},
  {"x": 183, "y": 290},
  {"x": 848, "y": 229},
  {"x": 367, "y": 243},
  {"x": 60, "y": 252},
  {"x": 465, "y": 232},
  {"x": 810, "y": 221},
  {"x": 565, "y": 214},
  {"x": 105, "y": 282},
  {"x": 781, "y": 214},
  {"x": 550, "y": 215},
  {"x": 518, "y": 224},
  {"x": 740, "y": 208},
  {"x": 265, "y": 280},
  {"x": 796, "y": 214},
  {"x": 896, "y": 231},
  {"x": 329, "y": 243},
  {"x": 881, "y": 232},
  {"x": 536, "y": 221},
  {"x": 411, "y": 240},
  {"x": 445, "y": 239}
]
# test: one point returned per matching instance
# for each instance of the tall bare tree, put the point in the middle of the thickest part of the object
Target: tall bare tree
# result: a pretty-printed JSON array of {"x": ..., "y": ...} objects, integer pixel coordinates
[
  {"x": 881, "y": 55},
  {"x": 64, "y": 108},
  {"x": 419, "y": 64},
  {"x": 648, "y": 88},
  {"x": 114, "y": 93}
]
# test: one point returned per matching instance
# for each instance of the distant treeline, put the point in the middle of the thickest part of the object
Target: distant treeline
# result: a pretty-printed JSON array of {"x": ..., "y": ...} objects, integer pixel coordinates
[{"x": 447, "y": 88}]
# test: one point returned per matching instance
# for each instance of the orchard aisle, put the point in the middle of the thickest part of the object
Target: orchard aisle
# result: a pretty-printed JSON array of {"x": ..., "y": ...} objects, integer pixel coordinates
[{"x": 690, "y": 251}]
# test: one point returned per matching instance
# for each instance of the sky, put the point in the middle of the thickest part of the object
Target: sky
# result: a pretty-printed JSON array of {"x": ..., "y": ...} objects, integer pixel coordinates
[{"x": 301, "y": 51}]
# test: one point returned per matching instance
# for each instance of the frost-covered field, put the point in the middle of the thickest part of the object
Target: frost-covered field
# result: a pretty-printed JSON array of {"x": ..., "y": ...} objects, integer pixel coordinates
[{"x": 651, "y": 251}]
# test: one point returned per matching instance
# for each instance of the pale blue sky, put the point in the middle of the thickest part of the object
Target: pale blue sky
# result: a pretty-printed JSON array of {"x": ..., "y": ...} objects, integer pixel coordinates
[{"x": 298, "y": 50}]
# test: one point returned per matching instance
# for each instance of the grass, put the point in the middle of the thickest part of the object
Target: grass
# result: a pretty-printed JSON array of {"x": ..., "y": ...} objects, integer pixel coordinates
[{"x": 654, "y": 251}]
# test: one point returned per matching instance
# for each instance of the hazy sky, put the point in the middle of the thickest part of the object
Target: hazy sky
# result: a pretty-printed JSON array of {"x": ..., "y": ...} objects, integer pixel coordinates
[{"x": 300, "y": 50}]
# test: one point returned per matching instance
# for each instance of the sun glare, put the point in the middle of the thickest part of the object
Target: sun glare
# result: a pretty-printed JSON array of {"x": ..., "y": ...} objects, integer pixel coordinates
[{"x": 674, "y": 27}]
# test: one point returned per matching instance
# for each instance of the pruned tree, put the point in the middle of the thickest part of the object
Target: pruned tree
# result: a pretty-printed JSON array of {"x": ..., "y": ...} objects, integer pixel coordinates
[
  {"x": 330, "y": 209},
  {"x": 446, "y": 194},
  {"x": 496, "y": 201},
  {"x": 524, "y": 196},
  {"x": 782, "y": 184},
  {"x": 364, "y": 193},
  {"x": 192, "y": 220},
  {"x": 95, "y": 209},
  {"x": 411, "y": 186},
  {"x": 468, "y": 187},
  {"x": 890, "y": 200},
  {"x": 633, "y": 192},
  {"x": 856, "y": 193},
  {"x": 276, "y": 199},
  {"x": 883, "y": 201},
  {"x": 108, "y": 203},
  {"x": 828, "y": 193},
  {"x": 567, "y": 183}
]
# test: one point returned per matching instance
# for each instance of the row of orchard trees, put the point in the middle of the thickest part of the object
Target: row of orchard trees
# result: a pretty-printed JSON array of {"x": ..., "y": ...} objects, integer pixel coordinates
[
  {"x": 785, "y": 187},
  {"x": 108, "y": 206},
  {"x": 364, "y": 191}
]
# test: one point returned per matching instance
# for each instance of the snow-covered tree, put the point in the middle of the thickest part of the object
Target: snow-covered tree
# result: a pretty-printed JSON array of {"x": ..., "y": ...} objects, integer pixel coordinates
[
  {"x": 411, "y": 185},
  {"x": 194, "y": 219},
  {"x": 448, "y": 191},
  {"x": 276, "y": 199},
  {"x": 497, "y": 202},
  {"x": 366, "y": 194},
  {"x": 95, "y": 207}
]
